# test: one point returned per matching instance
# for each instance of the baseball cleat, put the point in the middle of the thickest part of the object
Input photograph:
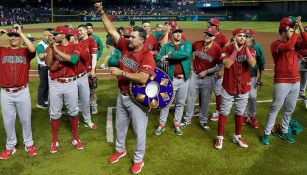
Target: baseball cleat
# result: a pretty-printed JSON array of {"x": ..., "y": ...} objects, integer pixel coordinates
[
  {"x": 77, "y": 143},
  {"x": 137, "y": 167},
  {"x": 265, "y": 139},
  {"x": 116, "y": 156},
  {"x": 6, "y": 154},
  {"x": 219, "y": 142},
  {"x": 240, "y": 141},
  {"x": 31, "y": 150},
  {"x": 90, "y": 125},
  {"x": 54, "y": 147},
  {"x": 159, "y": 130}
]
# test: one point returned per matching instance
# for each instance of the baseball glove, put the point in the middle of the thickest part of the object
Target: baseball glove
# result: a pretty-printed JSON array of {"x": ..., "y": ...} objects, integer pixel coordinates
[
  {"x": 92, "y": 82},
  {"x": 55, "y": 66}
]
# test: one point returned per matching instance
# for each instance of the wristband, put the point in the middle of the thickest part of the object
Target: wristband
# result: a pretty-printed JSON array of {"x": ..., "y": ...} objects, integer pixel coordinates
[{"x": 249, "y": 54}]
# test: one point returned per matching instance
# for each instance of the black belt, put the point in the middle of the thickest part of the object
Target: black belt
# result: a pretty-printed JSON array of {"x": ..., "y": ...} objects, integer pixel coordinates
[
  {"x": 125, "y": 93},
  {"x": 81, "y": 75}
]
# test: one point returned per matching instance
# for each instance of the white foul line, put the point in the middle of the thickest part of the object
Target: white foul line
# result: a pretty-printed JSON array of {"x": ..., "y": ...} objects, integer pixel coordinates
[{"x": 109, "y": 127}]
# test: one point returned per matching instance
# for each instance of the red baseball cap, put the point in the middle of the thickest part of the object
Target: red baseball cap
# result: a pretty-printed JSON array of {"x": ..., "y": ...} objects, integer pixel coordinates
[
  {"x": 74, "y": 32},
  {"x": 211, "y": 30},
  {"x": 237, "y": 31},
  {"x": 172, "y": 23},
  {"x": 128, "y": 31},
  {"x": 214, "y": 21},
  {"x": 285, "y": 24},
  {"x": 12, "y": 32},
  {"x": 176, "y": 28},
  {"x": 250, "y": 32},
  {"x": 61, "y": 30}
]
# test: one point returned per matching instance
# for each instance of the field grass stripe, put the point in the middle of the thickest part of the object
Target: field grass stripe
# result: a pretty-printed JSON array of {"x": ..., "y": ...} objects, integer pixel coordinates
[{"x": 109, "y": 126}]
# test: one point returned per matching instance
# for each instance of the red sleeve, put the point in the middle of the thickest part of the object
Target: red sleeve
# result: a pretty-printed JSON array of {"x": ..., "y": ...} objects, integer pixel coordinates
[
  {"x": 253, "y": 52},
  {"x": 226, "y": 52},
  {"x": 93, "y": 46},
  {"x": 304, "y": 36},
  {"x": 194, "y": 46},
  {"x": 76, "y": 50},
  {"x": 288, "y": 46},
  {"x": 122, "y": 44},
  {"x": 148, "y": 65}
]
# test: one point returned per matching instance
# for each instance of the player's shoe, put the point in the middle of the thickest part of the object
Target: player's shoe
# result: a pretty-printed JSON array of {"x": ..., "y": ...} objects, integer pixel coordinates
[
  {"x": 116, "y": 156},
  {"x": 31, "y": 150},
  {"x": 137, "y": 167},
  {"x": 204, "y": 126},
  {"x": 90, "y": 125},
  {"x": 265, "y": 139},
  {"x": 185, "y": 123},
  {"x": 253, "y": 122},
  {"x": 160, "y": 129},
  {"x": 196, "y": 113},
  {"x": 6, "y": 154},
  {"x": 54, "y": 147},
  {"x": 77, "y": 143},
  {"x": 43, "y": 106},
  {"x": 178, "y": 130},
  {"x": 215, "y": 116},
  {"x": 240, "y": 141},
  {"x": 219, "y": 142},
  {"x": 286, "y": 136}
]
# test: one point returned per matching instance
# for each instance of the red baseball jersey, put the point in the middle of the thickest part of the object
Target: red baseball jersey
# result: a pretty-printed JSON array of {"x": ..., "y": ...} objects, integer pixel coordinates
[
  {"x": 80, "y": 66},
  {"x": 87, "y": 48},
  {"x": 285, "y": 59},
  {"x": 237, "y": 77},
  {"x": 152, "y": 44},
  {"x": 302, "y": 46},
  {"x": 221, "y": 40},
  {"x": 67, "y": 69},
  {"x": 133, "y": 62},
  {"x": 205, "y": 59},
  {"x": 14, "y": 67}
]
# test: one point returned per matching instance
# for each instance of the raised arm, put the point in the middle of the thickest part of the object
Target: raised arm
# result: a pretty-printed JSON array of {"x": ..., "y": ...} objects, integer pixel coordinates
[{"x": 109, "y": 27}]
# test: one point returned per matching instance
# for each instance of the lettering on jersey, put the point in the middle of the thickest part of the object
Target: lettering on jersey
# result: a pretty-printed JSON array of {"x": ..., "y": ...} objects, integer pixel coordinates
[
  {"x": 203, "y": 56},
  {"x": 59, "y": 58},
  {"x": 14, "y": 59},
  {"x": 241, "y": 58},
  {"x": 130, "y": 63}
]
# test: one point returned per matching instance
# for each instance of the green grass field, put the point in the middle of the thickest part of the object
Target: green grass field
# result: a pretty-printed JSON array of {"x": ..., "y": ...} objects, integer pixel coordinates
[{"x": 167, "y": 154}]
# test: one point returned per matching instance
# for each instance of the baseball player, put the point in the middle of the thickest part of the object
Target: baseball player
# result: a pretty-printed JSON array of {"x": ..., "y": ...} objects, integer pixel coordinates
[
  {"x": 206, "y": 62},
  {"x": 86, "y": 66},
  {"x": 286, "y": 77},
  {"x": 93, "y": 96},
  {"x": 151, "y": 42},
  {"x": 166, "y": 36},
  {"x": 43, "y": 91},
  {"x": 15, "y": 96},
  {"x": 237, "y": 60},
  {"x": 302, "y": 53},
  {"x": 177, "y": 53},
  {"x": 250, "y": 116},
  {"x": 136, "y": 64},
  {"x": 61, "y": 59},
  {"x": 222, "y": 40}
]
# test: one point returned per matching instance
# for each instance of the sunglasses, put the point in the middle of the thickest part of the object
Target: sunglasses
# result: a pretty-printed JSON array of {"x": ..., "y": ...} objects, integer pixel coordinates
[{"x": 209, "y": 34}]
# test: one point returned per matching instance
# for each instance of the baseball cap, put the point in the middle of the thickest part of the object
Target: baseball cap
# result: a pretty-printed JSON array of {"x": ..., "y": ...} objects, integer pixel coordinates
[
  {"x": 12, "y": 32},
  {"x": 211, "y": 30},
  {"x": 250, "y": 32},
  {"x": 172, "y": 23},
  {"x": 176, "y": 28},
  {"x": 74, "y": 32},
  {"x": 237, "y": 31},
  {"x": 285, "y": 24},
  {"x": 214, "y": 21},
  {"x": 61, "y": 30}
]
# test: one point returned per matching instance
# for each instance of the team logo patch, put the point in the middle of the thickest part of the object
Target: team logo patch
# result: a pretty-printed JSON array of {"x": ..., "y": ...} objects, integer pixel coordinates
[
  {"x": 130, "y": 63},
  {"x": 203, "y": 56}
]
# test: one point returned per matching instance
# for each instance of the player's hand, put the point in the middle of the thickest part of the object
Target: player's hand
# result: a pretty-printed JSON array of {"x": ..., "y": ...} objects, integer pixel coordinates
[
  {"x": 93, "y": 73},
  {"x": 2, "y": 31},
  {"x": 298, "y": 21},
  {"x": 235, "y": 44},
  {"x": 99, "y": 8},
  {"x": 164, "y": 58},
  {"x": 116, "y": 71},
  {"x": 17, "y": 28},
  {"x": 259, "y": 82},
  {"x": 249, "y": 42},
  {"x": 202, "y": 74},
  {"x": 219, "y": 74}
]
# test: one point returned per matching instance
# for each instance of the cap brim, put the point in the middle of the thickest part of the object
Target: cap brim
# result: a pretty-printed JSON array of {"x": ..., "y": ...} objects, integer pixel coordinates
[
  {"x": 54, "y": 33},
  {"x": 209, "y": 33},
  {"x": 179, "y": 30}
]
